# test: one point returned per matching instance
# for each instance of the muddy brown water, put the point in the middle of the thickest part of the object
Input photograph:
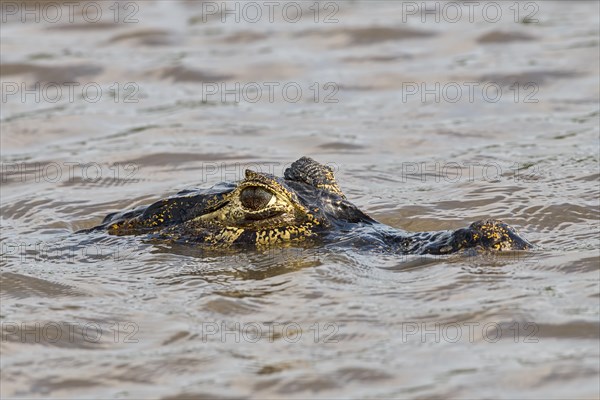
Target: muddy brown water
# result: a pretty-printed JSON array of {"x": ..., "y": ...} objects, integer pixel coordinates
[{"x": 132, "y": 108}]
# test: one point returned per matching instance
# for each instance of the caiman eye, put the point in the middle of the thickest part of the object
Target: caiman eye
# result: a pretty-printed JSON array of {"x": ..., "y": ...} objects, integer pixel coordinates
[{"x": 256, "y": 198}]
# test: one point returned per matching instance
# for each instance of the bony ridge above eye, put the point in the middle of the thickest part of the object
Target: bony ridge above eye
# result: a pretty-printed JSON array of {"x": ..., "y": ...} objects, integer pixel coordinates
[{"x": 256, "y": 198}]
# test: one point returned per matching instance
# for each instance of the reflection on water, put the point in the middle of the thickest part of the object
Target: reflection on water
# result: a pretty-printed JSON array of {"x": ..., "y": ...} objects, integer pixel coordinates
[{"x": 429, "y": 126}]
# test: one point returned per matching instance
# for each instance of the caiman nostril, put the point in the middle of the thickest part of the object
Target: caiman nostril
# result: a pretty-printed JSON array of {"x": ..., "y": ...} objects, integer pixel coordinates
[{"x": 255, "y": 198}]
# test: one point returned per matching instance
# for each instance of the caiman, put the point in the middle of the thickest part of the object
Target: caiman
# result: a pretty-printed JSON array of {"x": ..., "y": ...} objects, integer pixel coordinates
[{"x": 305, "y": 206}]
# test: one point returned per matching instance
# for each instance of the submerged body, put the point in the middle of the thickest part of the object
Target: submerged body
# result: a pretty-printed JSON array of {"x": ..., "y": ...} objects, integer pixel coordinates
[{"x": 306, "y": 205}]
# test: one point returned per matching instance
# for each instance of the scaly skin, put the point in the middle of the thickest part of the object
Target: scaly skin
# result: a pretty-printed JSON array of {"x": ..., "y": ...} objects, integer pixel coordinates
[{"x": 306, "y": 205}]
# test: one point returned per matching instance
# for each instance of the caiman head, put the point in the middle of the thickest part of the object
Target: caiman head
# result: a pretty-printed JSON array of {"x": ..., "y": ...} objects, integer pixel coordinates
[
  {"x": 305, "y": 205},
  {"x": 261, "y": 210}
]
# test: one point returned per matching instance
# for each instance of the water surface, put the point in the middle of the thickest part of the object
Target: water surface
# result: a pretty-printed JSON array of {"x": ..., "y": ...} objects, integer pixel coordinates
[{"x": 95, "y": 316}]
